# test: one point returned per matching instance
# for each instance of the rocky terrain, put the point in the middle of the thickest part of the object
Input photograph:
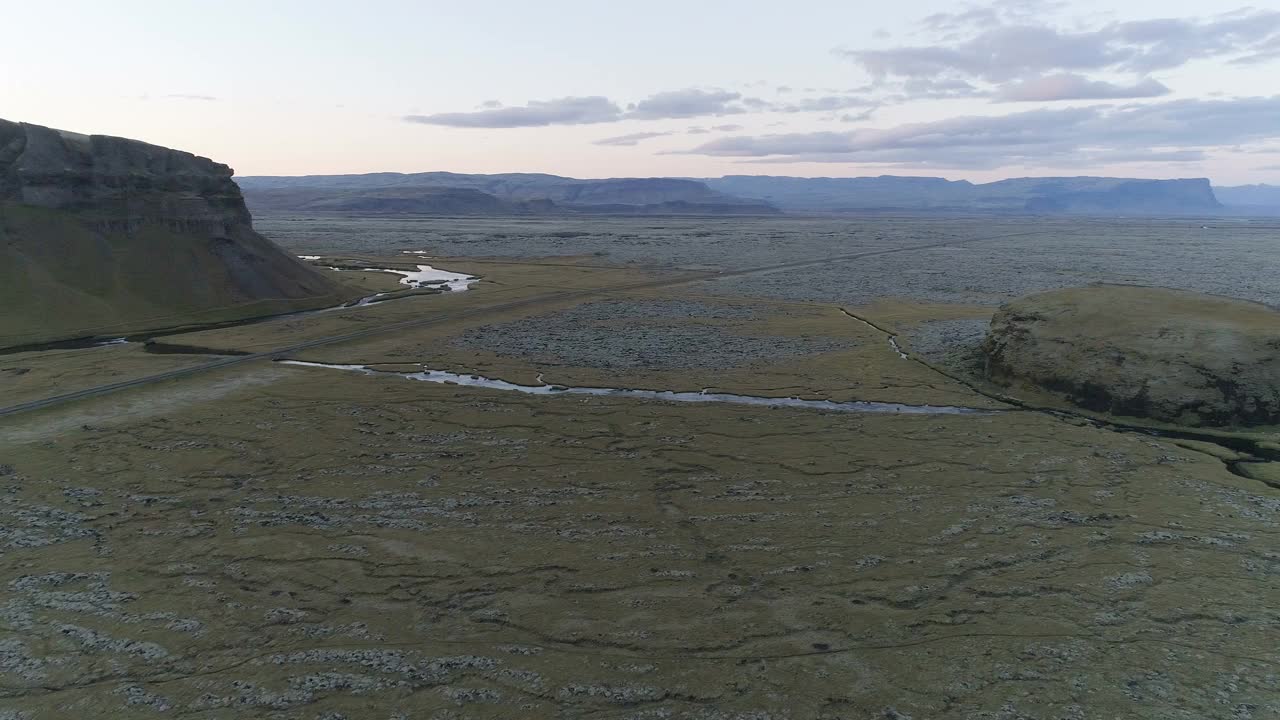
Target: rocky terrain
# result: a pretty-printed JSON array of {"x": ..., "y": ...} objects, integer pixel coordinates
[
  {"x": 1168, "y": 355},
  {"x": 269, "y": 540},
  {"x": 103, "y": 236},
  {"x": 642, "y": 335}
]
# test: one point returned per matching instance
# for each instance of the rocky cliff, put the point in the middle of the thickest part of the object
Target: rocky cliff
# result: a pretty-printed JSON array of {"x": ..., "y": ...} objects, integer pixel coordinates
[{"x": 105, "y": 236}]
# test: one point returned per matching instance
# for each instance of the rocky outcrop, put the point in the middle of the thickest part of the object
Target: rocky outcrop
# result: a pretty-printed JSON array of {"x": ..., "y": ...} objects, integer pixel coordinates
[
  {"x": 103, "y": 235},
  {"x": 1168, "y": 355}
]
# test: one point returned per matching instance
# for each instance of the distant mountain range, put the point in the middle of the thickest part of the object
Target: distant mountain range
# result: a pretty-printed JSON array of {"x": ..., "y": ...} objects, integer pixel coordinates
[
  {"x": 1041, "y": 196},
  {"x": 442, "y": 193},
  {"x": 1251, "y": 199}
]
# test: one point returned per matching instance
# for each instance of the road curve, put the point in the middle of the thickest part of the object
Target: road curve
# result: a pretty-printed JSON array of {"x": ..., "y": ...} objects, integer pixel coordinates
[{"x": 682, "y": 279}]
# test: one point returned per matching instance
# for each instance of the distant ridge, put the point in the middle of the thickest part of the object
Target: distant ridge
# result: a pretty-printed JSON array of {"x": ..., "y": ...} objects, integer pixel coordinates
[
  {"x": 444, "y": 193},
  {"x": 1251, "y": 199},
  {"x": 1040, "y": 196}
]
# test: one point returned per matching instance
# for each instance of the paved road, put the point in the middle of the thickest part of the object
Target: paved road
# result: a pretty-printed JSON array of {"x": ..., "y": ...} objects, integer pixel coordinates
[{"x": 682, "y": 279}]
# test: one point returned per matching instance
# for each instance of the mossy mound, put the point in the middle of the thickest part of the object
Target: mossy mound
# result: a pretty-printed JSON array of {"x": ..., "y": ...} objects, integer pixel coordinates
[{"x": 1168, "y": 355}]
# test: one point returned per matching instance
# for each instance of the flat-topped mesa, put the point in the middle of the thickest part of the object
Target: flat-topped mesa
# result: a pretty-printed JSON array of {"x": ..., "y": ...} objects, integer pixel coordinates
[
  {"x": 118, "y": 183},
  {"x": 108, "y": 236}
]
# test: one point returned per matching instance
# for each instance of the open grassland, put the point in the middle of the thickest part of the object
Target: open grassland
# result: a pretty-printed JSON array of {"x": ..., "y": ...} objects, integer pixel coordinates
[{"x": 279, "y": 541}]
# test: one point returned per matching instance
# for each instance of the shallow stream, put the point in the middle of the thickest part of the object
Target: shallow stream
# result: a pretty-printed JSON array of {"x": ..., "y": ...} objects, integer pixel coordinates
[
  {"x": 425, "y": 277},
  {"x": 857, "y": 406}
]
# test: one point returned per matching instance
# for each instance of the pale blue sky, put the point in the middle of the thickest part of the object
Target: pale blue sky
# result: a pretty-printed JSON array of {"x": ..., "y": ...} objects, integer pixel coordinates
[{"x": 326, "y": 87}]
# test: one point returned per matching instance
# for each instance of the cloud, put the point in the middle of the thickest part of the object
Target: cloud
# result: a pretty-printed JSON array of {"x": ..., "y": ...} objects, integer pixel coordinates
[
  {"x": 1173, "y": 131},
  {"x": 537, "y": 113},
  {"x": 1068, "y": 86},
  {"x": 629, "y": 140},
  {"x": 1158, "y": 156},
  {"x": 1008, "y": 41},
  {"x": 933, "y": 88},
  {"x": 858, "y": 117},
  {"x": 699, "y": 130},
  {"x": 945, "y": 22},
  {"x": 998, "y": 12},
  {"x": 828, "y": 103},
  {"x": 687, "y": 103},
  {"x": 1263, "y": 53},
  {"x": 671, "y": 104},
  {"x": 181, "y": 96}
]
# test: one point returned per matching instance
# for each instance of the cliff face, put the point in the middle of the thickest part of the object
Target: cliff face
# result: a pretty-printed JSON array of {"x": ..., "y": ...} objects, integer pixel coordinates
[{"x": 104, "y": 236}]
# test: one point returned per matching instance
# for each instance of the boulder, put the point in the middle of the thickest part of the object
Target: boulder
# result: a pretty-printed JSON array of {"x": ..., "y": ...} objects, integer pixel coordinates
[{"x": 1168, "y": 355}]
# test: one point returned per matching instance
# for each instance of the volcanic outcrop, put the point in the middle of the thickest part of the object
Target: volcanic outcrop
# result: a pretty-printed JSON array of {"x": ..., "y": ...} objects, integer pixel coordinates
[
  {"x": 107, "y": 236},
  {"x": 1168, "y": 355}
]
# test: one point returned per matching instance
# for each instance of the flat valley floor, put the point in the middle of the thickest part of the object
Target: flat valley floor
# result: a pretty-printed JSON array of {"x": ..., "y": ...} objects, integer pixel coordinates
[{"x": 333, "y": 538}]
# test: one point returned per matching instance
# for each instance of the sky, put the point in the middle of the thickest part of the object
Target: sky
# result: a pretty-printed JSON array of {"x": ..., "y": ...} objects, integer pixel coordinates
[{"x": 978, "y": 91}]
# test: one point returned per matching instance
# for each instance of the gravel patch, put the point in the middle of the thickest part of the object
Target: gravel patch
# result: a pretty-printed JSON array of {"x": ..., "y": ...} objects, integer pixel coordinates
[
  {"x": 950, "y": 343},
  {"x": 1238, "y": 263},
  {"x": 658, "y": 242},
  {"x": 642, "y": 334},
  {"x": 1015, "y": 256}
]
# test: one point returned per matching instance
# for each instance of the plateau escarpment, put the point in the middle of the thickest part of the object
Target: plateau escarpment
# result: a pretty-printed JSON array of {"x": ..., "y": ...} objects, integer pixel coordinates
[{"x": 105, "y": 236}]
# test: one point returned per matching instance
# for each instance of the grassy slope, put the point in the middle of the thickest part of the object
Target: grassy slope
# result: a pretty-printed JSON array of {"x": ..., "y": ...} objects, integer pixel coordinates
[{"x": 60, "y": 279}]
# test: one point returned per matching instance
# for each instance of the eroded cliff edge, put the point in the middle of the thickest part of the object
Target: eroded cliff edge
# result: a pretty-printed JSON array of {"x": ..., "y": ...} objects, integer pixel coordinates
[{"x": 106, "y": 236}]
